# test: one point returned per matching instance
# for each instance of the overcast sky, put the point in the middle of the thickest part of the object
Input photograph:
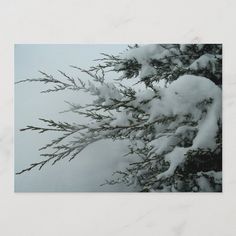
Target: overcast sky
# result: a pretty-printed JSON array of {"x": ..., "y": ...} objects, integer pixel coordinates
[{"x": 95, "y": 163}]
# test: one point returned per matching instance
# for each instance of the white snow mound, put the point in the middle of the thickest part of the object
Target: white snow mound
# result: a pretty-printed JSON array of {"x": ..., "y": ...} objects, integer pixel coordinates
[{"x": 181, "y": 98}]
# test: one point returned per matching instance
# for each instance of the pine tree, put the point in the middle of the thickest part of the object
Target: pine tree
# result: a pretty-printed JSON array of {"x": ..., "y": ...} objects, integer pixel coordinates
[{"x": 166, "y": 100}]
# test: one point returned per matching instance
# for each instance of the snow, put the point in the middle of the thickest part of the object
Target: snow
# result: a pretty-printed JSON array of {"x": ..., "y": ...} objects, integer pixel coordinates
[
  {"x": 183, "y": 47},
  {"x": 183, "y": 130},
  {"x": 194, "y": 96},
  {"x": 105, "y": 93},
  {"x": 216, "y": 175},
  {"x": 141, "y": 96},
  {"x": 144, "y": 54},
  {"x": 175, "y": 158},
  {"x": 163, "y": 144},
  {"x": 181, "y": 98},
  {"x": 147, "y": 70},
  {"x": 203, "y": 62},
  {"x": 208, "y": 127},
  {"x": 204, "y": 184},
  {"x": 122, "y": 119}
]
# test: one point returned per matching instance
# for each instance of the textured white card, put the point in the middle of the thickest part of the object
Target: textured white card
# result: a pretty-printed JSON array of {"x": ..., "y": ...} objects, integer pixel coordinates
[{"x": 116, "y": 22}]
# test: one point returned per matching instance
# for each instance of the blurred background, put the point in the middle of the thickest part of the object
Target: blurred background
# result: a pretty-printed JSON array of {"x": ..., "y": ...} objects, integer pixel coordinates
[{"x": 98, "y": 161}]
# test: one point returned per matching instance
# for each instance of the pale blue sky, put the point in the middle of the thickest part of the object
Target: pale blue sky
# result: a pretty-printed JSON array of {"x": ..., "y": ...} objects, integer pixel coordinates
[{"x": 80, "y": 174}]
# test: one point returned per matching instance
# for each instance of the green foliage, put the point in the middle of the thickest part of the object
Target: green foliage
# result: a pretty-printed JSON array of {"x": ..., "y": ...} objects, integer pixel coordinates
[{"x": 139, "y": 129}]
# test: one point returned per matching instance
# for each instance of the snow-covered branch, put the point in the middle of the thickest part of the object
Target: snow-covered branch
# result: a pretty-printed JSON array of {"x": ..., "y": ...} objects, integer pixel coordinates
[{"x": 171, "y": 112}]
